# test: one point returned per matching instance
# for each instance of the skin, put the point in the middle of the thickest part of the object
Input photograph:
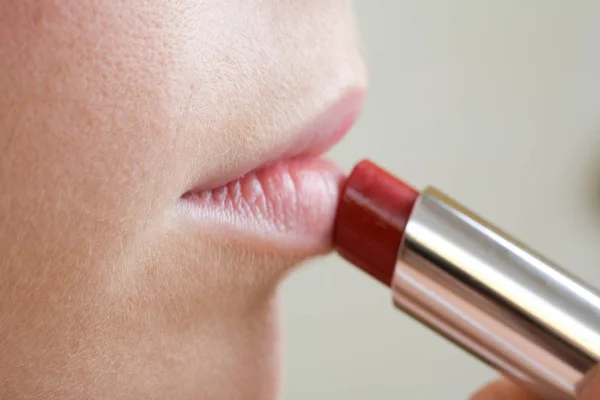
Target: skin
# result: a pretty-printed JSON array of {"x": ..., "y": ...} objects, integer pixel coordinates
[
  {"x": 109, "y": 112},
  {"x": 505, "y": 390}
]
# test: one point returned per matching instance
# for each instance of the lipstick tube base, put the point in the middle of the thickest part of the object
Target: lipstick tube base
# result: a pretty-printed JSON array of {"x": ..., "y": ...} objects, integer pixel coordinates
[{"x": 496, "y": 298}]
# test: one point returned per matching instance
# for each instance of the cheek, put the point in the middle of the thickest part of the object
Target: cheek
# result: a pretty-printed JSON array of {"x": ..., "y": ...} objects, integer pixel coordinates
[
  {"x": 86, "y": 128},
  {"x": 87, "y": 122}
]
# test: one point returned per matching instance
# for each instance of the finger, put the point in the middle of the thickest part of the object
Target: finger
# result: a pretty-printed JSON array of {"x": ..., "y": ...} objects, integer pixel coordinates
[
  {"x": 502, "y": 390},
  {"x": 590, "y": 387}
]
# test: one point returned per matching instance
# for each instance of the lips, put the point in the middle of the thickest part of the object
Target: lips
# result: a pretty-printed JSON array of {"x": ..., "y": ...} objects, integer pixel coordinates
[{"x": 292, "y": 193}]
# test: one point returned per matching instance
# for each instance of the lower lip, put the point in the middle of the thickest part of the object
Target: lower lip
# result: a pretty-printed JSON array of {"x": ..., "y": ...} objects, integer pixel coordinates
[
  {"x": 292, "y": 200},
  {"x": 471, "y": 282}
]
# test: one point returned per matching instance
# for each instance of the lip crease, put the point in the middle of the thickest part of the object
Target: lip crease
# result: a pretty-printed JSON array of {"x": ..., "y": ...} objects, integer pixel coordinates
[{"x": 291, "y": 193}]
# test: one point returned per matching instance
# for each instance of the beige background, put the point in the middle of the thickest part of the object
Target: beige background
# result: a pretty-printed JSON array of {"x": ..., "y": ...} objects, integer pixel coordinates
[{"x": 498, "y": 104}]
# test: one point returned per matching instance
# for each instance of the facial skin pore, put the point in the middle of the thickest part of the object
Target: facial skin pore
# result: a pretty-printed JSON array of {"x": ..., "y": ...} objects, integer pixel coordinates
[{"x": 111, "y": 111}]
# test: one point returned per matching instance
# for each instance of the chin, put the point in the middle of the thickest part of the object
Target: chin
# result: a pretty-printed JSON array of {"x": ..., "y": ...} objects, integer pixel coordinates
[
  {"x": 209, "y": 335},
  {"x": 239, "y": 359}
]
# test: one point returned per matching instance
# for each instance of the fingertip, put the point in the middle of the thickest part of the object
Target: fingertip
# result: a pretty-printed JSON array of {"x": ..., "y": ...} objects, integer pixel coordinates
[
  {"x": 501, "y": 390},
  {"x": 589, "y": 388}
]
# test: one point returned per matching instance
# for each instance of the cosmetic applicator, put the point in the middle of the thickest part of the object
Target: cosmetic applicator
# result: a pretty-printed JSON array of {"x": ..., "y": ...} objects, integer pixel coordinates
[{"x": 470, "y": 282}]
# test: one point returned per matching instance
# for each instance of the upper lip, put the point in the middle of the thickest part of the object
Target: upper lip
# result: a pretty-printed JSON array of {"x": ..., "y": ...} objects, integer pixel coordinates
[{"x": 317, "y": 137}]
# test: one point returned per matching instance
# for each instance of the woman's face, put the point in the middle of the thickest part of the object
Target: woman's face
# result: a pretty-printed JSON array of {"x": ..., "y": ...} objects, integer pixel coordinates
[{"x": 123, "y": 275}]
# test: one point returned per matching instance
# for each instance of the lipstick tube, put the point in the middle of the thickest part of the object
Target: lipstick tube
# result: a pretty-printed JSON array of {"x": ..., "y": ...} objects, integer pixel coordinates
[{"x": 473, "y": 284}]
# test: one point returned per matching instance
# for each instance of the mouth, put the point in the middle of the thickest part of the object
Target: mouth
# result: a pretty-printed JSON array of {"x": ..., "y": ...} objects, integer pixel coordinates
[{"x": 291, "y": 195}]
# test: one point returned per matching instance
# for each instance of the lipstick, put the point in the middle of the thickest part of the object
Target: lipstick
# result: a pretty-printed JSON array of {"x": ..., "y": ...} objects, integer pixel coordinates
[{"x": 470, "y": 282}]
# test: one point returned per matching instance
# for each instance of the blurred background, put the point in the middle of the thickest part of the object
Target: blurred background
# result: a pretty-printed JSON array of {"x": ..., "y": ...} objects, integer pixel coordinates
[{"x": 497, "y": 104}]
